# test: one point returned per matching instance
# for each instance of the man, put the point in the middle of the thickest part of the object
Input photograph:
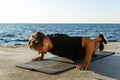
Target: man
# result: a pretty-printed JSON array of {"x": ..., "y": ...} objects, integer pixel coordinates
[{"x": 65, "y": 46}]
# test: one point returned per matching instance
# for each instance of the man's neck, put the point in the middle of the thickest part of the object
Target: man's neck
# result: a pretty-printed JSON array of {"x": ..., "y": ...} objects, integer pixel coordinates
[{"x": 50, "y": 46}]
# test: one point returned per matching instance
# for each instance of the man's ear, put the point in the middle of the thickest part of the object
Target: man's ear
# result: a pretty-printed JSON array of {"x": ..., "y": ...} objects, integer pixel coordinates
[{"x": 46, "y": 43}]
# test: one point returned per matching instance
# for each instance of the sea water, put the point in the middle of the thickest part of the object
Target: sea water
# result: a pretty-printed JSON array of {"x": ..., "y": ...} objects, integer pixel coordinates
[{"x": 19, "y": 34}]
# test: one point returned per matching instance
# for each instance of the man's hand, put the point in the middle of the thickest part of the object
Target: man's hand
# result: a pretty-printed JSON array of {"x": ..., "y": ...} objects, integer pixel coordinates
[
  {"x": 37, "y": 59},
  {"x": 81, "y": 67},
  {"x": 40, "y": 57}
]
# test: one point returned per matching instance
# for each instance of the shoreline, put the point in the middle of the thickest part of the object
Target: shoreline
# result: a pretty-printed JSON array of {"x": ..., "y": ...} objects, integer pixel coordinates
[{"x": 26, "y": 44}]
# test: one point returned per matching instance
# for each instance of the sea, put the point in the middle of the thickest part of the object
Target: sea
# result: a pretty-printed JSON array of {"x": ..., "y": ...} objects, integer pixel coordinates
[{"x": 19, "y": 34}]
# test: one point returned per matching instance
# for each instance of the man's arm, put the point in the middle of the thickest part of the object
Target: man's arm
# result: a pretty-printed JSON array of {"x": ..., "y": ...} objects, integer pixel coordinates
[{"x": 89, "y": 53}]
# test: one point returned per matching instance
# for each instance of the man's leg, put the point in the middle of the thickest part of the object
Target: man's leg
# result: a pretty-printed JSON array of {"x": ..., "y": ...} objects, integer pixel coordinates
[
  {"x": 97, "y": 42},
  {"x": 100, "y": 40}
]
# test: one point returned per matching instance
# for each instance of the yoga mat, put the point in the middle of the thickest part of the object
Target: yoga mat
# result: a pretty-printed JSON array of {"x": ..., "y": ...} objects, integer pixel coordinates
[{"x": 58, "y": 64}]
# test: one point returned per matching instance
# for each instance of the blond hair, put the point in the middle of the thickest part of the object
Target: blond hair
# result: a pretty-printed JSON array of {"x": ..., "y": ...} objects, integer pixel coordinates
[{"x": 36, "y": 38}]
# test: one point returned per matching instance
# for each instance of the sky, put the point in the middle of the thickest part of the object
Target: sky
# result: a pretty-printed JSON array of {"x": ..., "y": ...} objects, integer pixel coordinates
[{"x": 59, "y": 11}]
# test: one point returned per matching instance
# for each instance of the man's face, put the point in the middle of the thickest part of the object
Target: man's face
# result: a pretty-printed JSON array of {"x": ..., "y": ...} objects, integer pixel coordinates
[{"x": 44, "y": 48}]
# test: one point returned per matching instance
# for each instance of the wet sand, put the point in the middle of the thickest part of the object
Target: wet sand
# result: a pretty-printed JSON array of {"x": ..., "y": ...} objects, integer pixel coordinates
[{"x": 104, "y": 69}]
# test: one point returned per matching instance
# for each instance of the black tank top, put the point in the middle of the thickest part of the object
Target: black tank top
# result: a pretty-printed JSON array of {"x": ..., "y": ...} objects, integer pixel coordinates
[{"x": 66, "y": 46}]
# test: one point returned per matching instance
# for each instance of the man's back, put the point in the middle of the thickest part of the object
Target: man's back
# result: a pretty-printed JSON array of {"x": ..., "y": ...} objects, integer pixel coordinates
[{"x": 66, "y": 46}]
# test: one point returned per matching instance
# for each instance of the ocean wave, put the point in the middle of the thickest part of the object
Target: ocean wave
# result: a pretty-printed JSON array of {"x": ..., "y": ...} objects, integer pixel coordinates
[{"x": 19, "y": 34}]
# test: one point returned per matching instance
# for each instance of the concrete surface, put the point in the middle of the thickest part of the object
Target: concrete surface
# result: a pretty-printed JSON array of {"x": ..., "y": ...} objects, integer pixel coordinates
[{"x": 104, "y": 69}]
